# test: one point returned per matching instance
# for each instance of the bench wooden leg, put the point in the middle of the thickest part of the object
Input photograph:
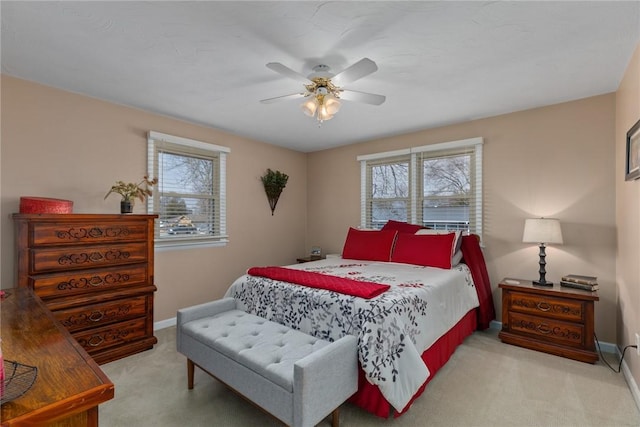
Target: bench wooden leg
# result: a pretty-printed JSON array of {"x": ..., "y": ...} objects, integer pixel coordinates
[
  {"x": 190, "y": 374},
  {"x": 335, "y": 418}
]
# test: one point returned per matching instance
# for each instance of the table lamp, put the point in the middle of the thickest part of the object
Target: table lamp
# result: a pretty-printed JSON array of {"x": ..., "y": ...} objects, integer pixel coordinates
[{"x": 542, "y": 231}]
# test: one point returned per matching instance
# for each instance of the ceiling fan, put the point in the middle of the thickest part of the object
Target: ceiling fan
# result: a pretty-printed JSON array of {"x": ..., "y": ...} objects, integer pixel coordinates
[{"x": 324, "y": 90}]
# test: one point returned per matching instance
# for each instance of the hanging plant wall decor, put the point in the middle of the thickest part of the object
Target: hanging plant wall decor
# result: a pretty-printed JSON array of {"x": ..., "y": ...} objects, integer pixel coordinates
[{"x": 274, "y": 182}]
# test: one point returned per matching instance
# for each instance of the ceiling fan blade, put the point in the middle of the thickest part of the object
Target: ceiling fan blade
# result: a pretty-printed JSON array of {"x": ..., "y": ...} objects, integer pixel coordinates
[
  {"x": 286, "y": 71},
  {"x": 364, "y": 97},
  {"x": 282, "y": 98},
  {"x": 362, "y": 68}
]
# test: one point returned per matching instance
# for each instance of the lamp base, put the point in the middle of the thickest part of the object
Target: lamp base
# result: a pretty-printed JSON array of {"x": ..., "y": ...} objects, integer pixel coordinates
[{"x": 542, "y": 283}]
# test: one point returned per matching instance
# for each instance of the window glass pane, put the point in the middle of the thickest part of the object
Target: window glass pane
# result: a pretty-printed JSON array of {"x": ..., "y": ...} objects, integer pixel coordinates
[
  {"x": 390, "y": 180},
  {"x": 384, "y": 210},
  {"x": 185, "y": 174},
  {"x": 183, "y": 216},
  {"x": 446, "y": 192}
]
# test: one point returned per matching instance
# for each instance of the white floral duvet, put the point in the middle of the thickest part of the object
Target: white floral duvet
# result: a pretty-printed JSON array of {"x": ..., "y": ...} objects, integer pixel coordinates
[{"x": 393, "y": 329}]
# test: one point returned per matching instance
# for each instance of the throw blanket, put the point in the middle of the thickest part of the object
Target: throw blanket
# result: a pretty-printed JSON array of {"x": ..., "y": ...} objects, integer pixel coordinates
[{"x": 311, "y": 279}]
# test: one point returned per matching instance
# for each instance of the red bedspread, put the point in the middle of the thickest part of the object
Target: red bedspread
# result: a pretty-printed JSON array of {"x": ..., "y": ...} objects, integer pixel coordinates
[{"x": 311, "y": 279}]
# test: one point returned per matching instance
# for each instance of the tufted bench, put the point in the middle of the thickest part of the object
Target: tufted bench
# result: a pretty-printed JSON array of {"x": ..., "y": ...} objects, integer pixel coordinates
[{"x": 297, "y": 378}]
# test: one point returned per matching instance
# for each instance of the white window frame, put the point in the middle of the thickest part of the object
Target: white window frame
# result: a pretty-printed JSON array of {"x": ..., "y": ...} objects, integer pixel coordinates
[
  {"x": 412, "y": 214},
  {"x": 153, "y": 140}
]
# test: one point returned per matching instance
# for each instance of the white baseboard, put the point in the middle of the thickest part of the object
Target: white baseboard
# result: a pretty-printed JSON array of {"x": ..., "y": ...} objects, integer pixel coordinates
[
  {"x": 631, "y": 382},
  {"x": 164, "y": 324}
]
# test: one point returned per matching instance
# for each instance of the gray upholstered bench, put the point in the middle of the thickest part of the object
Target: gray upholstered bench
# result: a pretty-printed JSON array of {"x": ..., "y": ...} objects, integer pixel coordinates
[{"x": 297, "y": 378}]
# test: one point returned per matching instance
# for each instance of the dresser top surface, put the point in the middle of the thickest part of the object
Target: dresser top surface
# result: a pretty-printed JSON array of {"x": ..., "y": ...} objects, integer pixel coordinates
[
  {"x": 556, "y": 290},
  {"x": 30, "y": 335}
]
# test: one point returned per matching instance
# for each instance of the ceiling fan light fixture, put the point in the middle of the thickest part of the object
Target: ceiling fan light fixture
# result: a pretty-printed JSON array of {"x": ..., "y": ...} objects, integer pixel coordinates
[
  {"x": 310, "y": 106},
  {"x": 323, "y": 113},
  {"x": 332, "y": 104}
]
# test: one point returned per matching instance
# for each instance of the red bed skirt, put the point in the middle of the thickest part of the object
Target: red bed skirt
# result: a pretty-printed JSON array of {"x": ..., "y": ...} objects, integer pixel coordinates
[{"x": 368, "y": 395}]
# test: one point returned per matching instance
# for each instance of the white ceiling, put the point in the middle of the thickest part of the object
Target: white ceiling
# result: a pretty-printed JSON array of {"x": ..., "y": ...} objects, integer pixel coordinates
[{"x": 439, "y": 62}]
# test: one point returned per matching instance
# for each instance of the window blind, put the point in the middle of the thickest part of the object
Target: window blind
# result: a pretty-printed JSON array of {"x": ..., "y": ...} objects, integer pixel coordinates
[
  {"x": 438, "y": 186},
  {"x": 190, "y": 199}
]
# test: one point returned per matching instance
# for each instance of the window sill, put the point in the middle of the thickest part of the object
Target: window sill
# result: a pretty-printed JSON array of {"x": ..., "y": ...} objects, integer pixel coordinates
[{"x": 177, "y": 244}]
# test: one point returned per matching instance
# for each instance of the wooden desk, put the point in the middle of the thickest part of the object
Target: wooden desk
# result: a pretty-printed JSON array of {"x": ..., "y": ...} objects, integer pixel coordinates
[{"x": 69, "y": 386}]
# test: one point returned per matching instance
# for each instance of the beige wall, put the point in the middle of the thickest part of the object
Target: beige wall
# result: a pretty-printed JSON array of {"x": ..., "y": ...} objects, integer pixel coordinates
[
  {"x": 555, "y": 161},
  {"x": 552, "y": 161},
  {"x": 628, "y": 216},
  {"x": 59, "y": 144}
]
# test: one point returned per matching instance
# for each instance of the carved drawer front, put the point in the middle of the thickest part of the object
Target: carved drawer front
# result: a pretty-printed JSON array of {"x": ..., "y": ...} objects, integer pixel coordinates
[
  {"x": 87, "y": 233},
  {"x": 63, "y": 259},
  {"x": 564, "y": 333},
  {"x": 75, "y": 319},
  {"x": 541, "y": 305},
  {"x": 88, "y": 281},
  {"x": 96, "y": 340}
]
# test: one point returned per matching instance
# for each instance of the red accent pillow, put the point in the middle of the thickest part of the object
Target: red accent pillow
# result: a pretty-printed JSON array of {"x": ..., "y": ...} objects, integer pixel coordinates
[
  {"x": 369, "y": 245},
  {"x": 402, "y": 227},
  {"x": 431, "y": 250}
]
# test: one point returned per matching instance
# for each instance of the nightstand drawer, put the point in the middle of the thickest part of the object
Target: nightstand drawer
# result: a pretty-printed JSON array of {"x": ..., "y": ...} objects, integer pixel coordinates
[
  {"x": 556, "y": 308},
  {"x": 564, "y": 333}
]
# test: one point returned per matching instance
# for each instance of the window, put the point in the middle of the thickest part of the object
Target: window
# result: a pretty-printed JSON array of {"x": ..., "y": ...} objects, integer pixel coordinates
[
  {"x": 190, "y": 195},
  {"x": 438, "y": 186}
]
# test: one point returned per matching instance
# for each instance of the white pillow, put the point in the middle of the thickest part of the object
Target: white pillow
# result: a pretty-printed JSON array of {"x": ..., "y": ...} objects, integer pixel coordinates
[{"x": 457, "y": 241}]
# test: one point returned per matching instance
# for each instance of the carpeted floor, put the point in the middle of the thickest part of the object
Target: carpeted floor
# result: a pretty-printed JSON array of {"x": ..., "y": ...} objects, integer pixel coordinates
[{"x": 485, "y": 383}]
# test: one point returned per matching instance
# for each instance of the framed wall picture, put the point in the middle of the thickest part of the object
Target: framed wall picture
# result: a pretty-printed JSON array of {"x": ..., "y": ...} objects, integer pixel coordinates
[{"x": 632, "y": 170}]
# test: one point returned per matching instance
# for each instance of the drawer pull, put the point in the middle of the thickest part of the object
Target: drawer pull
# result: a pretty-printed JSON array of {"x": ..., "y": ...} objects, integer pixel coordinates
[
  {"x": 96, "y": 316},
  {"x": 543, "y": 306},
  {"x": 95, "y": 341},
  {"x": 544, "y": 329}
]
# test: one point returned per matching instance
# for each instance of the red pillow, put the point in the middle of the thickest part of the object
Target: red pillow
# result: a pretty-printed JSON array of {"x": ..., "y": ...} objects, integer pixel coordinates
[
  {"x": 431, "y": 250},
  {"x": 369, "y": 245},
  {"x": 402, "y": 227}
]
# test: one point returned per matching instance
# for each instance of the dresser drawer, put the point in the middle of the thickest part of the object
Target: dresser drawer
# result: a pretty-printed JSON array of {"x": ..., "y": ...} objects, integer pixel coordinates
[
  {"x": 89, "y": 316},
  {"x": 81, "y": 282},
  {"x": 102, "y": 338},
  {"x": 564, "y": 333},
  {"x": 45, "y": 260},
  {"x": 87, "y": 232},
  {"x": 541, "y": 305}
]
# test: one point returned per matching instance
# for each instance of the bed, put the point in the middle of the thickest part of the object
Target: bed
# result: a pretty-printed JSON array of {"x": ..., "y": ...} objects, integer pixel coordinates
[{"x": 405, "y": 332}]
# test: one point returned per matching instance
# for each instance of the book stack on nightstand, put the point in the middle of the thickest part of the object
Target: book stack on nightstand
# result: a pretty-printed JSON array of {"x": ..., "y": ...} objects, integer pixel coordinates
[{"x": 586, "y": 283}]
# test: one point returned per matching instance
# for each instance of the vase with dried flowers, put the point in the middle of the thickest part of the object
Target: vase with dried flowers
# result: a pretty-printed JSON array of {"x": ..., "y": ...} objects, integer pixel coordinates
[{"x": 130, "y": 191}]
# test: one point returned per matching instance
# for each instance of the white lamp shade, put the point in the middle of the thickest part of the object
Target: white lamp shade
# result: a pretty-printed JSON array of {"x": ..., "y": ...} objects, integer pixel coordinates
[
  {"x": 309, "y": 107},
  {"x": 542, "y": 230}
]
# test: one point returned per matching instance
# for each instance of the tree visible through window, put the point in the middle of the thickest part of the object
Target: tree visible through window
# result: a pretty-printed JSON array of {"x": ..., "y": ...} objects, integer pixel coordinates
[
  {"x": 389, "y": 192},
  {"x": 446, "y": 195}
]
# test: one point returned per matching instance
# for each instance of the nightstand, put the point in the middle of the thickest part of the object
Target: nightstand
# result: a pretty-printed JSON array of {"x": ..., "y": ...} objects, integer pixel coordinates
[
  {"x": 555, "y": 320},
  {"x": 309, "y": 258}
]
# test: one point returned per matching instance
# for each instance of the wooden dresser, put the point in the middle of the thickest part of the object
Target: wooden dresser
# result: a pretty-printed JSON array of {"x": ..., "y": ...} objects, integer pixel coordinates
[
  {"x": 555, "y": 319},
  {"x": 95, "y": 273}
]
